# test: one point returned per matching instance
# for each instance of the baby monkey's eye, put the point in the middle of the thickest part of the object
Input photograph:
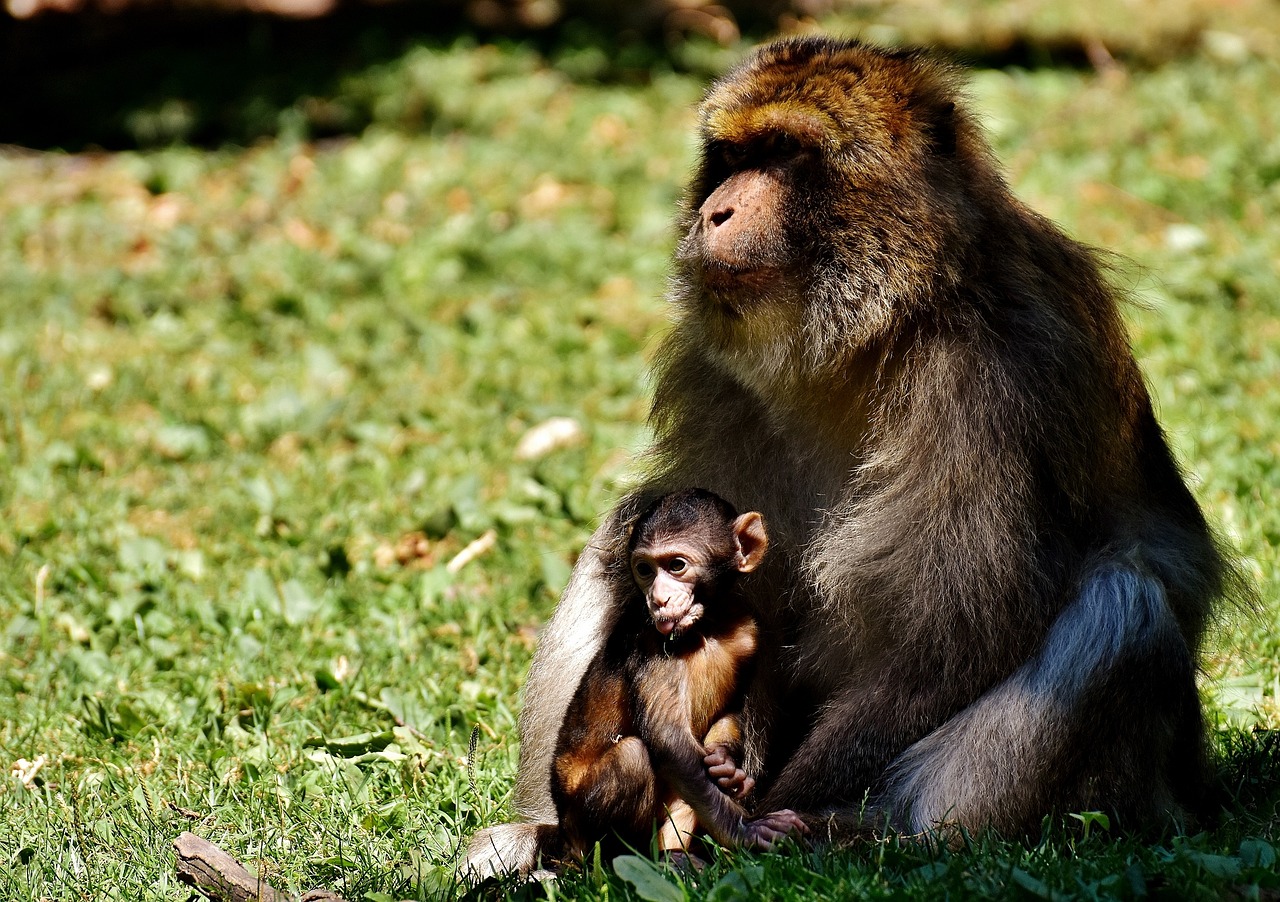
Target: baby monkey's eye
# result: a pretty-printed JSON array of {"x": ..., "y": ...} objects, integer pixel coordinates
[
  {"x": 643, "y": 569},
  {"x": 677, "y": 565}
]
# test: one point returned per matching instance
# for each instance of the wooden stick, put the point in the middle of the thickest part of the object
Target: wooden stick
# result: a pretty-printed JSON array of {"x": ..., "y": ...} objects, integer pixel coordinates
[{"x": 220, "y": 877}]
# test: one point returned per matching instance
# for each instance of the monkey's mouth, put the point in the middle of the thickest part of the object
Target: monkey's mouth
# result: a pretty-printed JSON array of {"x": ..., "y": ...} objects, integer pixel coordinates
[
  {"x": 725, "y": 281},
  {"x": 721, "y": 276},
  {"x": 667, "y": 627},
  {"x": 673, "y": 626}
]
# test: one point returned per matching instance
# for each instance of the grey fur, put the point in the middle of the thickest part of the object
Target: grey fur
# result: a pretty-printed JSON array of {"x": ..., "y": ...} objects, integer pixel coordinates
[
  {"x": 1002, "y": 740},
  {"x": 574, "y": 635},
  {"x": 503, "y": 849}
]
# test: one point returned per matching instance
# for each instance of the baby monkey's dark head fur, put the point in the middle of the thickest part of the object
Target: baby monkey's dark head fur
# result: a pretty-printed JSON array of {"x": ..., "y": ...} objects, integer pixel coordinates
[{"x": 685, "y": 552}]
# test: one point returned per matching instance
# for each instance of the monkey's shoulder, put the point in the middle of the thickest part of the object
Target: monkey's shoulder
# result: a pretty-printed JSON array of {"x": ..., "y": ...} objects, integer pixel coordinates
[{"x": 739, "y": 639}]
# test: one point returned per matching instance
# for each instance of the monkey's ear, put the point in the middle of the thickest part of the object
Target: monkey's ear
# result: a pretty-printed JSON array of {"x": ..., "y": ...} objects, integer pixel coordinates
[{"x": 751, "y": 539}]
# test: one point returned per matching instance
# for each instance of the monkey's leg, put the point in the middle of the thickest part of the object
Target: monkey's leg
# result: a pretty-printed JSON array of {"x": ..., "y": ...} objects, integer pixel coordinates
[
  {"x": 727, "y": 732},
  {"x": 723, "y": 759},
  {"x": 508, "y": 849},
  {"x": 1105, "y": 715},
  {"x": 678, "y": 760},
  {"x": 576, "y": 632},
  {"x": 677, "y": 829},
  {"x": 617, "y": 790}
]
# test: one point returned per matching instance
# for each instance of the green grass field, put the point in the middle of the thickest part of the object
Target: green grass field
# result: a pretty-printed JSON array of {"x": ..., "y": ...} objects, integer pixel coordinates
[{"x": 255, "y": 399}]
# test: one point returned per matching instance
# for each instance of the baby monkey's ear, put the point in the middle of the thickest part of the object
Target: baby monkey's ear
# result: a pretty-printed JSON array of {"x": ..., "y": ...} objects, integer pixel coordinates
[{"x": 751, "y": 541}]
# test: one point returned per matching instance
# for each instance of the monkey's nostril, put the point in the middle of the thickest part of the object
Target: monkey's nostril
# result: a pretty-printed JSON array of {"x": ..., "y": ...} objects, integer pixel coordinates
[{"x": 719, "y": 216}]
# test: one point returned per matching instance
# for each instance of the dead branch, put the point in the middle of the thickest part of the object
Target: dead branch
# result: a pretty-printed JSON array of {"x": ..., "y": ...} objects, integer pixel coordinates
[{"x": 220, "y": 877}]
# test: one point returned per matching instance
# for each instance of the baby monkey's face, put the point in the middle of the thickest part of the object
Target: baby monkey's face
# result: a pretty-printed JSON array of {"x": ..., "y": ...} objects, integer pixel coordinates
[
  {"x": 674, "y": 575},
  {"x": 682, "y": 572}
]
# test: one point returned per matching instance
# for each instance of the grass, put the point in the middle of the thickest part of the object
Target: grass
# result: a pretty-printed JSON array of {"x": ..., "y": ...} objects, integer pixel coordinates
[{"x": 253, "y": 400}]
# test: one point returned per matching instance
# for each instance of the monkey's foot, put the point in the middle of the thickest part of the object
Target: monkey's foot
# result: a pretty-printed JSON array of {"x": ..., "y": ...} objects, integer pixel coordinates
[
  {"x": 684, "y": 861},
  {"x": 762, "y": 832}
]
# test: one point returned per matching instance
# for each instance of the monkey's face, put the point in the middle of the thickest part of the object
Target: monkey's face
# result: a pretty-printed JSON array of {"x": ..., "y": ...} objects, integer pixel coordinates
[
  {"x": 825, "y": 205},
  {"x": 691, "y": 564},
  {"x": 743, "y": 279},
  {"x": 669, "y": 577}
]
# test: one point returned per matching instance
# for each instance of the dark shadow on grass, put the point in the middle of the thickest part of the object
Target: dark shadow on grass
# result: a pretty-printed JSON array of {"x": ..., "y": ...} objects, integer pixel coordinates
[
  {"x": 164, "y": 76},
  {"x": 1070, "y": 51},
  {"x": 150, "y": 78},
  {"x": 1248, "y": 777}
]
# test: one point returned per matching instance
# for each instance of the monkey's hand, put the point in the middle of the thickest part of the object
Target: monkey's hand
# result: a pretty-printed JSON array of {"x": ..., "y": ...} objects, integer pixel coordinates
[
  {"x": 723, "y": 769},
  {"x": 762, "y": 832}
]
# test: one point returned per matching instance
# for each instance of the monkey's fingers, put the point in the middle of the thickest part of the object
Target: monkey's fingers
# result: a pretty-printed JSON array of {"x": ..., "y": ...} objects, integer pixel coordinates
[
  {"x": 735, "y": 783},
  {"x": 726, "y": 769},
  {"x": 762, "y": 836},
  {"x": 717, "y": 756},
  {"x": 720, "y": 771},
  {"x": 764, "y": 831},
  {"x": 785, "y": 821}
]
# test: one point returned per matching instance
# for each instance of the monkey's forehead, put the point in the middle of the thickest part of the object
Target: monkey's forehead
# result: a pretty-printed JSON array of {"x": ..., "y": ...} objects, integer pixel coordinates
[
  {"x": 824, "y": 92},
  {"x": 687, "y": 543}
]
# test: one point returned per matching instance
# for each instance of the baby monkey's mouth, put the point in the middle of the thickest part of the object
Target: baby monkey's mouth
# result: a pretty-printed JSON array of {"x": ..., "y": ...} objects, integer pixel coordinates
[{"x": 672, "y": 627}]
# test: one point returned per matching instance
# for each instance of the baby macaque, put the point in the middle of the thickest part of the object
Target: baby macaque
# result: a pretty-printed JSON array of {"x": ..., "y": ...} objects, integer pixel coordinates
[{"x": 652, "y": 734}]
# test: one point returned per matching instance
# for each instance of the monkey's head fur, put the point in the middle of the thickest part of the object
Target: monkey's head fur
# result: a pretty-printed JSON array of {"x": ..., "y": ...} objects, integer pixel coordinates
[
  {"x": 692, "y": 519},
  {"x": 834, "y": 200}
]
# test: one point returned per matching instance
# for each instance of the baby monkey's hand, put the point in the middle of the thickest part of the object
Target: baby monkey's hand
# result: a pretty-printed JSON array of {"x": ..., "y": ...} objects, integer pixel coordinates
[{"x": 724, "y": 770}]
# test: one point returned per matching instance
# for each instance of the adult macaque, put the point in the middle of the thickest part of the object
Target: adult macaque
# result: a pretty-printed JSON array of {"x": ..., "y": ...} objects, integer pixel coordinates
[
  {"x": 989, "y": 574},
  {"x": 664, "y": 692}
]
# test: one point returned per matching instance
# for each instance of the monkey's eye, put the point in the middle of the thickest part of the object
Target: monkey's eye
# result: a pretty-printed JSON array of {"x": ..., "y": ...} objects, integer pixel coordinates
[
  {"x": 784, "y": 146},
  {"x": 677, "y": 565},
  {"x": 726, "y": 155},
  {"x": 643, "y": 570}
]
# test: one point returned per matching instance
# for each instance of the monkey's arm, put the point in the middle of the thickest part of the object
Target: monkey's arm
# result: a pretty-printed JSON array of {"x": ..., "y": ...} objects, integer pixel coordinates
[
  {"x": 871, "y": 719},
  {"x": 940, "y": 585},
  {"x": 575, "y": 634},
  {"x": 577, "y": 631}
]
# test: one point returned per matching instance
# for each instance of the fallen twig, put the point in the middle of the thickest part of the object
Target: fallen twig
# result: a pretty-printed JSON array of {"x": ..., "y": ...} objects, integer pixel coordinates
[{"x": 220, "y": 877}]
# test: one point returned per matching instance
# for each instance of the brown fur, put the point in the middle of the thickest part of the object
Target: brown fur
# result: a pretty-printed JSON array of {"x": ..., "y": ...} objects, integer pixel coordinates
[
  {"x": 630, "y": 755},
  {"x": 990, "y": 577}
]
